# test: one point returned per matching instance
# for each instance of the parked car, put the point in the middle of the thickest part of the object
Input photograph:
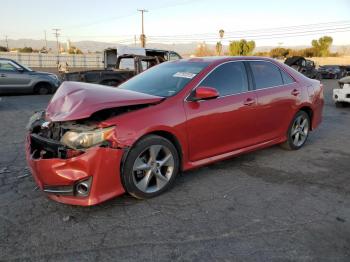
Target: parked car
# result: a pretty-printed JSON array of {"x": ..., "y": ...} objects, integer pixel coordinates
[
  {"x": 126, "y": 67},
  {"x": 304, "y": 66},
  {"x": 331, "y": 72},
  {"x": 17, "y": 78},
  {"x": 93, "y": 143},
  {"x": 346, "y": 70},
  {"x": 122, "y": 64},
  {"x": 341, "y": 95}
]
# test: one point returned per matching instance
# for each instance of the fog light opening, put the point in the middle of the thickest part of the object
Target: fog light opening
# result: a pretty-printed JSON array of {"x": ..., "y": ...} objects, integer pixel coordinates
[{"x": 83, "y": 188}]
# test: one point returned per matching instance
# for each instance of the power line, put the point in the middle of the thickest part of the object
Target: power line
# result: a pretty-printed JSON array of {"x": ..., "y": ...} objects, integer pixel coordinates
[
  {"x": 253, "y": 37},
  {"x": 274, "y": 29},
  {"x": 246, "y": 33}
]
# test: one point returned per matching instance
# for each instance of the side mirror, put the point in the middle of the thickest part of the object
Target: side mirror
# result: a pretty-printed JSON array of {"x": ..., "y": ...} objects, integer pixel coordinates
[
  {"x": 20, "y": 69},
  {"x": 204, "y": 93}
]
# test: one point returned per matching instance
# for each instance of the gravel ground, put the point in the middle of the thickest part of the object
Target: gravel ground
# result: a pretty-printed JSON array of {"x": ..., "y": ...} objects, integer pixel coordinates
[{"x": 270, "y": 205}]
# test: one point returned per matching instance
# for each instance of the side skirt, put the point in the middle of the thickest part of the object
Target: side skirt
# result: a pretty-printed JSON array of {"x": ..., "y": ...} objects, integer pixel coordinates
[{"x": 209, "y": 160}]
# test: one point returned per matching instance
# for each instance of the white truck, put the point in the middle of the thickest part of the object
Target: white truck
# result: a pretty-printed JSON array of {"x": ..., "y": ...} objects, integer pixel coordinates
[{"x": 341, "y": 95}]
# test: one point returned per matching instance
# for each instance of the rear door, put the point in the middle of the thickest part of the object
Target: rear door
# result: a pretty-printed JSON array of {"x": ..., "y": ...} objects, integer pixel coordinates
[
  {"x": 278, "y": 97},
  {"x": 224, "y": 124}
]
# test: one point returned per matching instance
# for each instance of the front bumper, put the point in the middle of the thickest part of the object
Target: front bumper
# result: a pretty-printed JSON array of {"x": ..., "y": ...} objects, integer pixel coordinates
[
  {"x": 341, "y": 95},
  {"x": 101, "y": 164}
]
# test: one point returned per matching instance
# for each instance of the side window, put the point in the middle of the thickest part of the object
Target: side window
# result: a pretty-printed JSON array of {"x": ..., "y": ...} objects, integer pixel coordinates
[
  {"x": 287, "y": 79},
  {"x": 228, "y": 79},
  {"x": 174, "y": 56},
  {"x": 7, "y": 66},
  {"x": 265, "y": 74},
  {"x": 127, "y": 64}
]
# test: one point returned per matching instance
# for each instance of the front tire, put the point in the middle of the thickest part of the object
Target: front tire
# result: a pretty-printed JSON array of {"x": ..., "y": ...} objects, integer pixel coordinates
[
  {"x": 298, "y": 131},
  {"x": 43, "y": 89},
  {"x": 151, "y": 167}
]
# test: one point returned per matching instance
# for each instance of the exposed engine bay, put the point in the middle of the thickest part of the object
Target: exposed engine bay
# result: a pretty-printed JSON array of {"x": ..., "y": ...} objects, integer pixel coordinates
[{"x": 71, "y": 138}]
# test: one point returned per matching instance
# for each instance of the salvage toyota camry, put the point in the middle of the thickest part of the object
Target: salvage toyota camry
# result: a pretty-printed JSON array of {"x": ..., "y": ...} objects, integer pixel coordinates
[{"x": 93, "y": 143}]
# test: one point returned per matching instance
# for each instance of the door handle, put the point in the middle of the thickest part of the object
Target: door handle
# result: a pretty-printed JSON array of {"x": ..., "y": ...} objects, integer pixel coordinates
[
  {"x": 2, "y": 75},
  {"x": 249, "y": 102},
  {"x": 295, "y": 92}
]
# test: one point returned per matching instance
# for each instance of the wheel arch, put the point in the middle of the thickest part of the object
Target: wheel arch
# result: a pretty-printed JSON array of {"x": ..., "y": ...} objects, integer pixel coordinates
[
  {"x": 162, "y": 133},
  {"x": 308, "y": 110}
]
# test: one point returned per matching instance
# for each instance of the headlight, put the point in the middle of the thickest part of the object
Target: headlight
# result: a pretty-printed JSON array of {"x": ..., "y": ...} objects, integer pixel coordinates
[{"x": 81, "y": 140}]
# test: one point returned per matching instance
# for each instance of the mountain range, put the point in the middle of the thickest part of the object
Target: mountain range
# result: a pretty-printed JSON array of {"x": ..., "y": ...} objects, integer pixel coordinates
[{"x": 95, "y": 46}]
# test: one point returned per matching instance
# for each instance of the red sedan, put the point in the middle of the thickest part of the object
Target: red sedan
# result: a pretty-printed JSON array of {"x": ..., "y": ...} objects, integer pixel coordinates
[{"x": 93, "y": 143}]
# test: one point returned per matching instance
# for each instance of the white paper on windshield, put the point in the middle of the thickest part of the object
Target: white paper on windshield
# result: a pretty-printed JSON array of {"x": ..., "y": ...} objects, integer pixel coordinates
[{"x": 184, "y": 75}]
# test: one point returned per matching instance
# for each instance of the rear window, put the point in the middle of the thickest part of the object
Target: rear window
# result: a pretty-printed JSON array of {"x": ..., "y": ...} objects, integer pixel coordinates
[
  {"x": 287, "y": 79},
  {"x": 265, "y": 74}
]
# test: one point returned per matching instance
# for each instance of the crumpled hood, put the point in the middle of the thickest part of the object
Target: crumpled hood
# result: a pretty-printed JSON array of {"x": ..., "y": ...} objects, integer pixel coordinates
[{"x": 75, "y": 100}]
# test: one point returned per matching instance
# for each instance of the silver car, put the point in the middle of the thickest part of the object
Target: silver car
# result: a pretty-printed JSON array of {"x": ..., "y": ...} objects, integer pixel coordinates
[{"x": 16, "y": 78}]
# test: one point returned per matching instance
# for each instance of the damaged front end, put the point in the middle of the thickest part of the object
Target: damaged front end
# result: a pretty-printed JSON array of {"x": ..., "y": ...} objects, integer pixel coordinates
[
  {"x": 72, "y": 154},
  {"x": 64, "y": 139},
  {"x": 74, "y": 162}
]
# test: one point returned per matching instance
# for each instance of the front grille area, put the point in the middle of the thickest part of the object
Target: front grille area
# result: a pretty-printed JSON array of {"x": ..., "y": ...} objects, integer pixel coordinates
[{"x": 41, "y": 147}]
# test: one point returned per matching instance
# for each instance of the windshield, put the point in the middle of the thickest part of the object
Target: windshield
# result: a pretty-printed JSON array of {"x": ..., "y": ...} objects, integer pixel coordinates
[
  {"x": 166, "y": 79},
  {"x": 25, "y": 67}
]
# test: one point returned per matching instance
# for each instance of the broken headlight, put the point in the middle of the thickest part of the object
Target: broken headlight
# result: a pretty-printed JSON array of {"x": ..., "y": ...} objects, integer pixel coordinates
[{"x": 83, "y": 140}]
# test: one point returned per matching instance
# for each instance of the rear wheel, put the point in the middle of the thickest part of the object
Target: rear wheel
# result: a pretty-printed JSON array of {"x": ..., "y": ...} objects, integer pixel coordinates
[
  {"x": 150, "y": 167},
  {"x": 298, "y": 131}
]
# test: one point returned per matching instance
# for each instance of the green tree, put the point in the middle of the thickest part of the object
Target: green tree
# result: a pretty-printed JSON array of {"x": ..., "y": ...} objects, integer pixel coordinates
[
  {"x": 3, "y": 49},
  {"x": 74, "y": 50},
  {"x": 26, "y": 49},
  {"x": 241, "y": 47},
  {"x": 322, "y": 45}
]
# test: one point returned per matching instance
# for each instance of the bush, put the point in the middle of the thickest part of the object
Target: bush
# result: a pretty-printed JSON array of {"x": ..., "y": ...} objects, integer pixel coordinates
[{"x": 279, "y": 52}]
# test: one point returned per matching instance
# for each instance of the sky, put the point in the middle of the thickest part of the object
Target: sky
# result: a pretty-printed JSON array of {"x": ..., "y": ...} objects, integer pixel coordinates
[{"x": 174, "y": 21}]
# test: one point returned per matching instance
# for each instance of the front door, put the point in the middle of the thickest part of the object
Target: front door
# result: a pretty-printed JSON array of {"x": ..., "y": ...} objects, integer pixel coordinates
[
  {"x": 226, "y": 123},
  {"x": 11, "y": 78}
]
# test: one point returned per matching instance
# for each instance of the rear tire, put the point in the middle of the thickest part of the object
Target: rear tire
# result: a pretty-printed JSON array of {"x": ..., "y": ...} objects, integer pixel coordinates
[
  {"x": 151, "y": 167},
  {"x": 298, "y": 131}
]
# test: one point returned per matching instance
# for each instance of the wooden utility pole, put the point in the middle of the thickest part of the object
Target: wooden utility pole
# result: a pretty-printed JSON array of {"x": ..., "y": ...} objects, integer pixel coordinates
[
  {"x": 57, "y": 34},
  {"x": 142, "y": 36},
  {"x": 45, "y": 40},
  {"x": 7, "y": 42}
]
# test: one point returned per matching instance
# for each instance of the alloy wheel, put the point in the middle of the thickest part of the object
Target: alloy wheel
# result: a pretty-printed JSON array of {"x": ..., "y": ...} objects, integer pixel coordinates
[
  {"x": 300, "y": 130},
  {"x": 153, "y": 168}
]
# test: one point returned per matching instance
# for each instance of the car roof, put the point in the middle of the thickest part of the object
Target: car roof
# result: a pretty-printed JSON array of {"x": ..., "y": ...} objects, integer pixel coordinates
[
  {"x": 7, "y": 59},
  {"x": 220, "y": 59}
]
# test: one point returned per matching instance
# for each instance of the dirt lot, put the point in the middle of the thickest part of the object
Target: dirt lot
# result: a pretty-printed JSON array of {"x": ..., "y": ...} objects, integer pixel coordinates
[{"x": 271, "y": 205}]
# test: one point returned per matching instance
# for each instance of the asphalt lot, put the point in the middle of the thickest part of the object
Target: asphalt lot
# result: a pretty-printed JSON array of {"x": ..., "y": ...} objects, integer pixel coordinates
[{"x": 270, "y": 205}]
